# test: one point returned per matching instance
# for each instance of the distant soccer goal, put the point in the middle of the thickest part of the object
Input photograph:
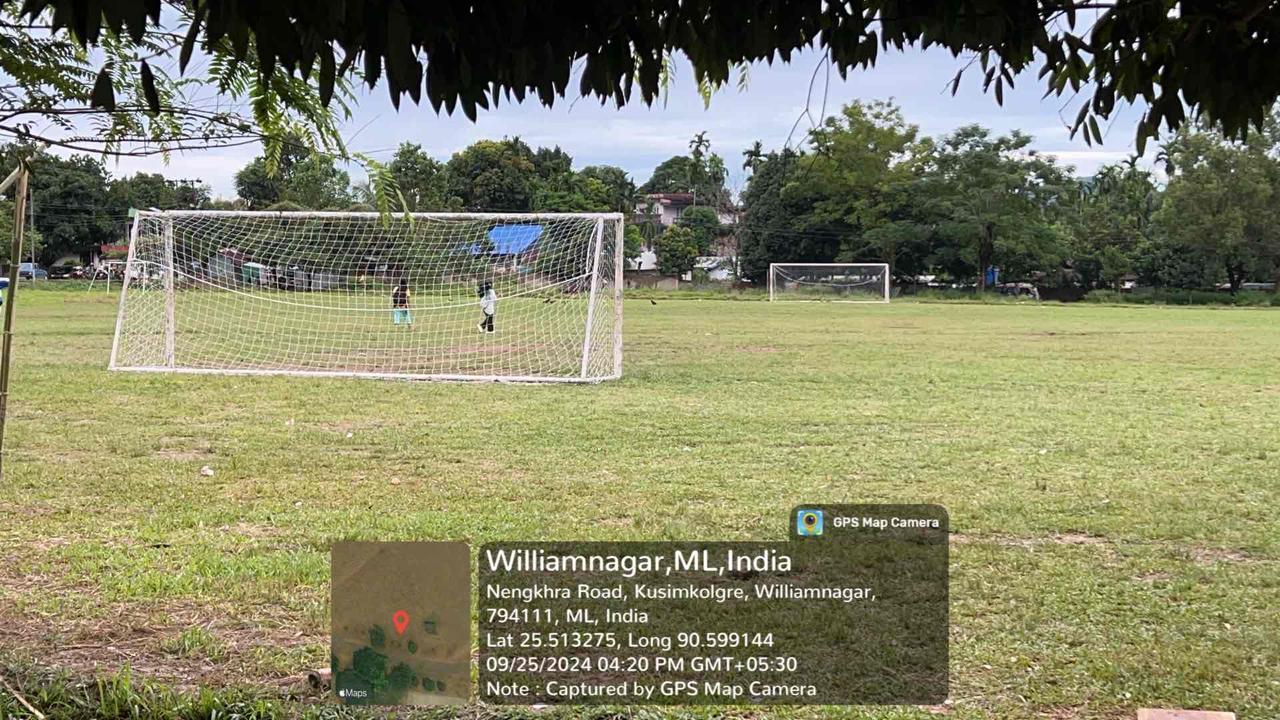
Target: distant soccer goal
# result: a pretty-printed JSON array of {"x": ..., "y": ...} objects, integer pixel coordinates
[
  {"x": 502, "y": 297},
  {"x": 831, "y": 282}
]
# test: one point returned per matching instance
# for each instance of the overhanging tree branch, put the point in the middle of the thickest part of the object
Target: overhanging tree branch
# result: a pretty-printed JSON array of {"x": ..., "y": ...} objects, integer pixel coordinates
[{"x": 1176, "y": 58}]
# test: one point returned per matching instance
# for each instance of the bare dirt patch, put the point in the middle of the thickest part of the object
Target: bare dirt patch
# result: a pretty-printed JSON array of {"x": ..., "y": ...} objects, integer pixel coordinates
[
  {"x": 183, "y": 455},
  {"x": 1068, "y": 538},
  {"x": 253, "y": 531},
  {"x": 1213, "y": 556},
  {"x": 1074, "y": 713},
  {"x": 75, "y": 457},
  {"x": 1196, "y": 553},
  {"x": 142, "y": 636},
  {"x": 183, "y": 449},
  {"x": 348, "y": 426},
  {"x": 258, "y": 643},
  {"x": 37, "y": 509},
  {"x": 1072, "y": 538}
]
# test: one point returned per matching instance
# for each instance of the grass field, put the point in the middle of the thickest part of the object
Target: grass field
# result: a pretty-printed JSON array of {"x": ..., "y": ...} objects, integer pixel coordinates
[{"x": 1112, "y": 475}]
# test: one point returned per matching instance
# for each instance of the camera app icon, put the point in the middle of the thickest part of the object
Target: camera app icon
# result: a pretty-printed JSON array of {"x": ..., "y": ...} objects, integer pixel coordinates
[{"x": 808, "y": 522}]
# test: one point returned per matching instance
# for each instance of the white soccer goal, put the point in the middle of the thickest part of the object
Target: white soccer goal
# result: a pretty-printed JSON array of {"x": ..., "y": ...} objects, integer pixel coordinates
[
  {"x": 315, "y": 293},
  {"x": 831, "y": 282}
]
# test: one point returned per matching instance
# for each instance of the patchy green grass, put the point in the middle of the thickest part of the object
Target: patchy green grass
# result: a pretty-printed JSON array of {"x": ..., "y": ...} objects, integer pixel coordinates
[
  {"x": 1112, "y": 475},
  {"x": 195, "y": 642}
]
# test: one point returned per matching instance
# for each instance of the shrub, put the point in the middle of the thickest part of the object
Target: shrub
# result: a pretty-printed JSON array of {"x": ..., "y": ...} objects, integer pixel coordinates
[{"x": 1171, "y": 296}]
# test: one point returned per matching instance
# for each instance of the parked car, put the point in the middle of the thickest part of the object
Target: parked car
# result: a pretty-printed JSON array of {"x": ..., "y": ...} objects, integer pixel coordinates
[
  {"x": 1255, "y": 286},
  {"x": 32, "y": 271},
  {"x": 103, "y": 272},
  {"x": 1018, "y": 290},
  {"x": 66, "y": 272}
]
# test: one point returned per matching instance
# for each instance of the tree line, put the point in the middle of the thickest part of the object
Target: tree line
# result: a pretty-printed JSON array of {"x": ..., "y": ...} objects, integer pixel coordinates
[
  {"x": 79, "y": 205},
  {"x": 870, "y": 188},
  {"x": 488, "y": 176},
  {"x": 507, "y": 176},
  {"x": 867, "y": 187}
]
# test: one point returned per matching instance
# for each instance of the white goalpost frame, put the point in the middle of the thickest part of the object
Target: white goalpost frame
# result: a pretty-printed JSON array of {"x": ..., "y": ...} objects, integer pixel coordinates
[
  {"x": 585, "y": 371},
  {"x": 774, "y": 294},
  {"x": 591, "y": 297},
  {"x": 618, "y": 267},
  {"x": 170, "y": 298},
  {"x": 107, "y": 264},
  {"x": 373, "y": 215},
  {"x": 124, "y": 288}
]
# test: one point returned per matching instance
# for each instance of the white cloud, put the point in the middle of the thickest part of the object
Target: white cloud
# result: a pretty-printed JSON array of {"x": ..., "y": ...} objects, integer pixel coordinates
[{"x": 1087, "y": 162}]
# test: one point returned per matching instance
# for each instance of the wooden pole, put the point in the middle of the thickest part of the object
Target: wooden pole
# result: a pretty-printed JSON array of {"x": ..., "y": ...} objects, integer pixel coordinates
[{"x": 15, "y": 257}]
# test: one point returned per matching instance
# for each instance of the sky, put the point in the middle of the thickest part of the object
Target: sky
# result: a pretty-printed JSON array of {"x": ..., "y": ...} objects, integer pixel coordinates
[{"x": 638, "y": 138}]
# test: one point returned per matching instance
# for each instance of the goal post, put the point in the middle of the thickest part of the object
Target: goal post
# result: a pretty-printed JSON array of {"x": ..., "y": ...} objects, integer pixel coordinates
[
  {"x": 829, "y": 282},
  {"x": 517, "y": 297}
]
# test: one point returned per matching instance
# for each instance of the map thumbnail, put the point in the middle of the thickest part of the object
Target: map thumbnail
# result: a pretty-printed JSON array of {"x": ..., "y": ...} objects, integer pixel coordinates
[{"x": 401, "y": 623}]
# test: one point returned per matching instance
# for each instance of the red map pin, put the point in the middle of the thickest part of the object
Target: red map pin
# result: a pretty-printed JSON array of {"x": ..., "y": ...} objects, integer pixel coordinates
[{"x": 401, "y": 621}]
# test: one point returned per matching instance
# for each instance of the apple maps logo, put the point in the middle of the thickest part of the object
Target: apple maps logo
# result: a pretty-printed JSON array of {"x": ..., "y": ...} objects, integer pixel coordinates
[{"x": 353, "y": 693}]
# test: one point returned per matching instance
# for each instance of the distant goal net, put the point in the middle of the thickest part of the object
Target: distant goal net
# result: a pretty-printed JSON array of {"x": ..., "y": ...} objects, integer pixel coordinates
[
  {"x": 831, "y": 282},
  {"x": 502, "y": 297}
]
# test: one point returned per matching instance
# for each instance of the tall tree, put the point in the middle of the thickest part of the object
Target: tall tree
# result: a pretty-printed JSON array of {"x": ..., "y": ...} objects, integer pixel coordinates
[
  {"x": 677, "y": 250},
  {"x": 865, "y": 163},
  {"x": 701, "y": 173},
  {"x": 304, "y": 178},
  {"x": 421, "y": 179},
  {"x": 261, "y": 182},
  {"x": 672, "y": 175},
  {"x": 552, "y": 165},
  {"x": 32, "y": 240},
  {"x": 153, "y": 190},
  {"x": 317, "y": 183},
  {"x": 771, "y": 215},
  {"x": 1224, "y": 201},
  {"x": 632, "y": 242},
  {"x": 257, "y": 186},
  {"x": 1112, "y": 223},
  {"x": 704, "y": 223},
  {"x": 72, "y": 207},
  {"x": 494, "y": 175},
  {"x": 707, "y": 173},
  {"x": 574, "y": 193},
  {"x": 752, "y": 156},
  {"x": 618, "y": 186},
  {"x": 992, "y": 202},
  {"x": 557, "y": 188}
]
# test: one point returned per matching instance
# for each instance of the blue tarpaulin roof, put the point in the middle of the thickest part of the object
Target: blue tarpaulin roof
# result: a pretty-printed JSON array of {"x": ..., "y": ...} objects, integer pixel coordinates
[{"x": 511, "y": 239}]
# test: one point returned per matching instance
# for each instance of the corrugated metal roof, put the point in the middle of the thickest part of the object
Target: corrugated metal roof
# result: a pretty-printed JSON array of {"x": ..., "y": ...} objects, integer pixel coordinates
[{"x": 511, "y": 239}]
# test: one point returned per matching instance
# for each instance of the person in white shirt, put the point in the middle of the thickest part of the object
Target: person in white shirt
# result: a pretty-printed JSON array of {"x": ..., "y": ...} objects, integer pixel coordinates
[{"x": 488, "y": 305}]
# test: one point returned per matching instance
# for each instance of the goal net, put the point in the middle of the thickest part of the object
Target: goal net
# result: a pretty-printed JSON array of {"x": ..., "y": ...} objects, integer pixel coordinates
[
  {"x": 832, "y": 282},
  {"x": 506, "y": 297}
]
